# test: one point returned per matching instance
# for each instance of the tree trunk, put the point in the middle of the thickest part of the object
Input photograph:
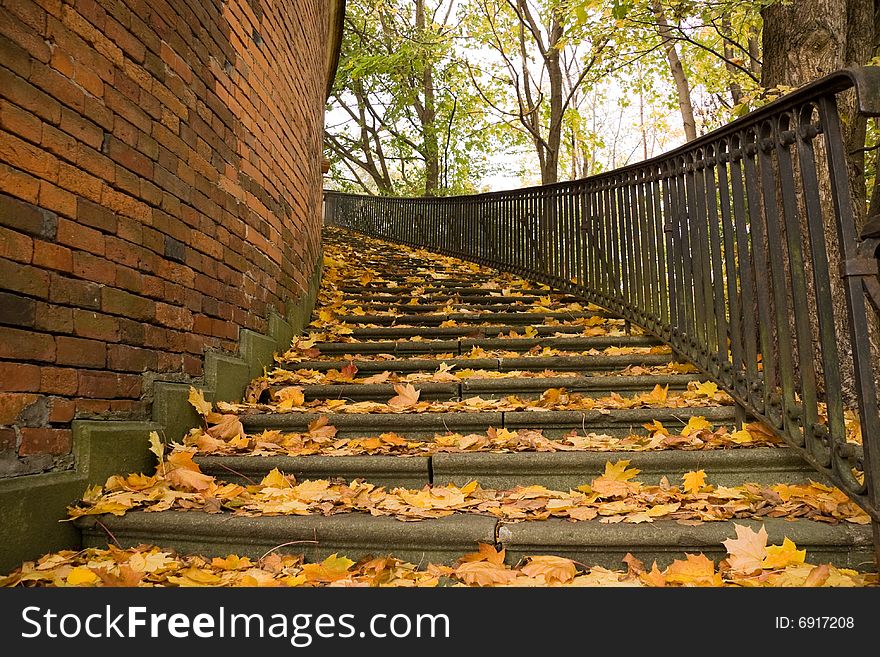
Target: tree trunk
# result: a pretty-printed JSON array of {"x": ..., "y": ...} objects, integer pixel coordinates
[
  {"x": 428, "y": 115},
  {"x": 735, "y": 88},
  {"x": 802, "y": 42},
  {"x": 682, "y": 86},
  {"x": 550, "y": 168}
]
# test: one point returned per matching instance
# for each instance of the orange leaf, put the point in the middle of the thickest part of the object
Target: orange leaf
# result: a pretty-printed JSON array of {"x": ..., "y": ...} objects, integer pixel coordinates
[{"x": 406, "y": 396}]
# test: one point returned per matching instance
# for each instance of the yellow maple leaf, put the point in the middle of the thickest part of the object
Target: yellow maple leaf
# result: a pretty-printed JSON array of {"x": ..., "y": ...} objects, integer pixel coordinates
[
  {"x": 619, "y": 471},
  {"x": 551, "y": 568},
  {"x": 197, "y": 399},
  {"x": 406, "y": 396},
  {"x": 289, "y": 398},
  {"x": 658, "y": 395},
  {"x": 706, "y": 389},
  {"x": 781, "y": 556},
  {"x": 333, "y": 568},
  {"x": 275, "y": 480},
  {"x": 741, "y": 437},
  {"x": 484, "y": 573},
  {"x": 695, "y": 570},
  {"x": 696, "y": 423},
  {"x": 530, "y": 331},
  {"x": 748, "y": 550},
  {"x": 485, "y": 552},
  {"x": 694, "y": 481},
  {"x": 80, "y": 576}
]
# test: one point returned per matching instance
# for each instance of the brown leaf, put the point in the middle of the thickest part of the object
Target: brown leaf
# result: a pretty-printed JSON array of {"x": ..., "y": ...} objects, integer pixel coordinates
[
  {"x": 406, "y": 396},
  {"x": 551, "y": 568},
  {"x": 484, "y": 573}
]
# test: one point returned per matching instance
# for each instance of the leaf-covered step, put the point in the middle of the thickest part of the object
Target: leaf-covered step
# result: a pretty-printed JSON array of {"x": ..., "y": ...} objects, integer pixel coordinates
[
  {"x": 465, "y": 345},
  {"x": 593, "y": 542},
  {"x": 561, "y": 470},
  {"x": 440, "y": 540},
  {"x": 522, "y": 387},
  {"x": 553, "y": 423},
  {"x": 565, "y": 470},
  {"x": 507, "y": 364},
  {"x": 390, "y": 471},
  {"x": 443, "y": 540},
  {"x": 527, "y": 317}
]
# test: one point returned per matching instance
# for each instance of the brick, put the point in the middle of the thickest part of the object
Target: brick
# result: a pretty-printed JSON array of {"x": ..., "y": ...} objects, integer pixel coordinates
[
  {"x": 84, "y": 353},
  {"x": 57, "y": 200},
  {"x": 58, "y": 142},
  {"x": 72, "y": 292},
  {"x": 59, "y": 380},
  {"x": 19, "y": 184},
  {"x": 118, "y": 302},
  {"x": 53, "y": 319},
  {"x": 123, "y": 358},
  {"x": 93, "y": 268},
  {"x": 28, "y": 157},
  {"x": 73, "y": 234},
  {"x": 89, "y": 324},
  {"x": 128, "y": 157},
  {"x": 51, "y": 256},
  {"x": 27, "y": 218},
  {"x": 79, "y": 182},
  {"x": 109, "y": 385},
  {"x": 27, "y": 96},
  {"x": 44, "y": 441},
  {"x": 57, "y": 86},
  {"x": 14, "y": 57},
  {"x": 15, "y": 246},
  {"x": 19, "y": 377},
  {"x": 26, "y": 345},
  {"x": 20, "y": 122},
  {"x": 96, "y": 216},
  {"x": 61, "y": 411},
  {"x": 16, "y": 310},
  {"x": 12, "y": 404},
  {"x": 81, "y": 128},
  {"x": 25, "y": 279}
]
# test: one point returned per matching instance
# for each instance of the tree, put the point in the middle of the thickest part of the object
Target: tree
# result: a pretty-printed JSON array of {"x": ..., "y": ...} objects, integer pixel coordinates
[
  {"x": 802, "y": 43},
  {"x": 544, "y": 51},
  {"x": 402, "y": 117}
]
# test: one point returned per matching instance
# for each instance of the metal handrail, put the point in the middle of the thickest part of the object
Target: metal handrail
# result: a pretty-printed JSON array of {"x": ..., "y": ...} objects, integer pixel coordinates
[{"x": 720, "y": 248}]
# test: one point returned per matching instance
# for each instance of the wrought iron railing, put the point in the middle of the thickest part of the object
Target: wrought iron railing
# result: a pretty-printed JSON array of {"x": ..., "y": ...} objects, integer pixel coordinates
[{"x": 721, "y": 249}]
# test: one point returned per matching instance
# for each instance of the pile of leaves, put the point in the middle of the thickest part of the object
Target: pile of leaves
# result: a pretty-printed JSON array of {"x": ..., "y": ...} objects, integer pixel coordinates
[
  {"x": 615, "y": 496},
  {"x": 750, "y": 563}
]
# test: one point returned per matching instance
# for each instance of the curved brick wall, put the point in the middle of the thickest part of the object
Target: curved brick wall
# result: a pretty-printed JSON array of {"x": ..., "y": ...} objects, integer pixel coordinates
[{"x": 160, "y": 189}]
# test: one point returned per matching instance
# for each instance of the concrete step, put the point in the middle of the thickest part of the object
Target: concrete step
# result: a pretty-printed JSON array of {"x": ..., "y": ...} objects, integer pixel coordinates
[
  {"x": 555, "y": 470},
  {"x": 504, "y": 318},
  {"x": 443, "y": 540},
  {"x": 471, "y": 330},
  {"x": 553, "y": 423},
  {"x": 524, "y": 363},
  {"x": 524, "y": 387},
  {"x": 354, "y": 535},
  {"x": 464, "y": 345}
]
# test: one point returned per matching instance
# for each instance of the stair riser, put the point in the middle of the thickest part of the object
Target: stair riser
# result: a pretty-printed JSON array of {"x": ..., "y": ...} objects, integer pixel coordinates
[
  {"x": 463, "y": 346},
  {"x": 554, "y": 424},
  {"x": 358, "y": 535},
  {"x": 524, "y": 363},
  {"x": 554, "y": 470},
  {"x": 524, "y": 388}
]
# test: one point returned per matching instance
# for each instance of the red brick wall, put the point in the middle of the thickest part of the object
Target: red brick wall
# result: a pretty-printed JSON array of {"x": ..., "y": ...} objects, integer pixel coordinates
[{"x": 159, "y": 190}]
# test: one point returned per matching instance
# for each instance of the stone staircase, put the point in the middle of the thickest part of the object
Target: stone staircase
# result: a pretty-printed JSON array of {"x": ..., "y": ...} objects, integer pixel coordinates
[{"x": 395, "y": 310}]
